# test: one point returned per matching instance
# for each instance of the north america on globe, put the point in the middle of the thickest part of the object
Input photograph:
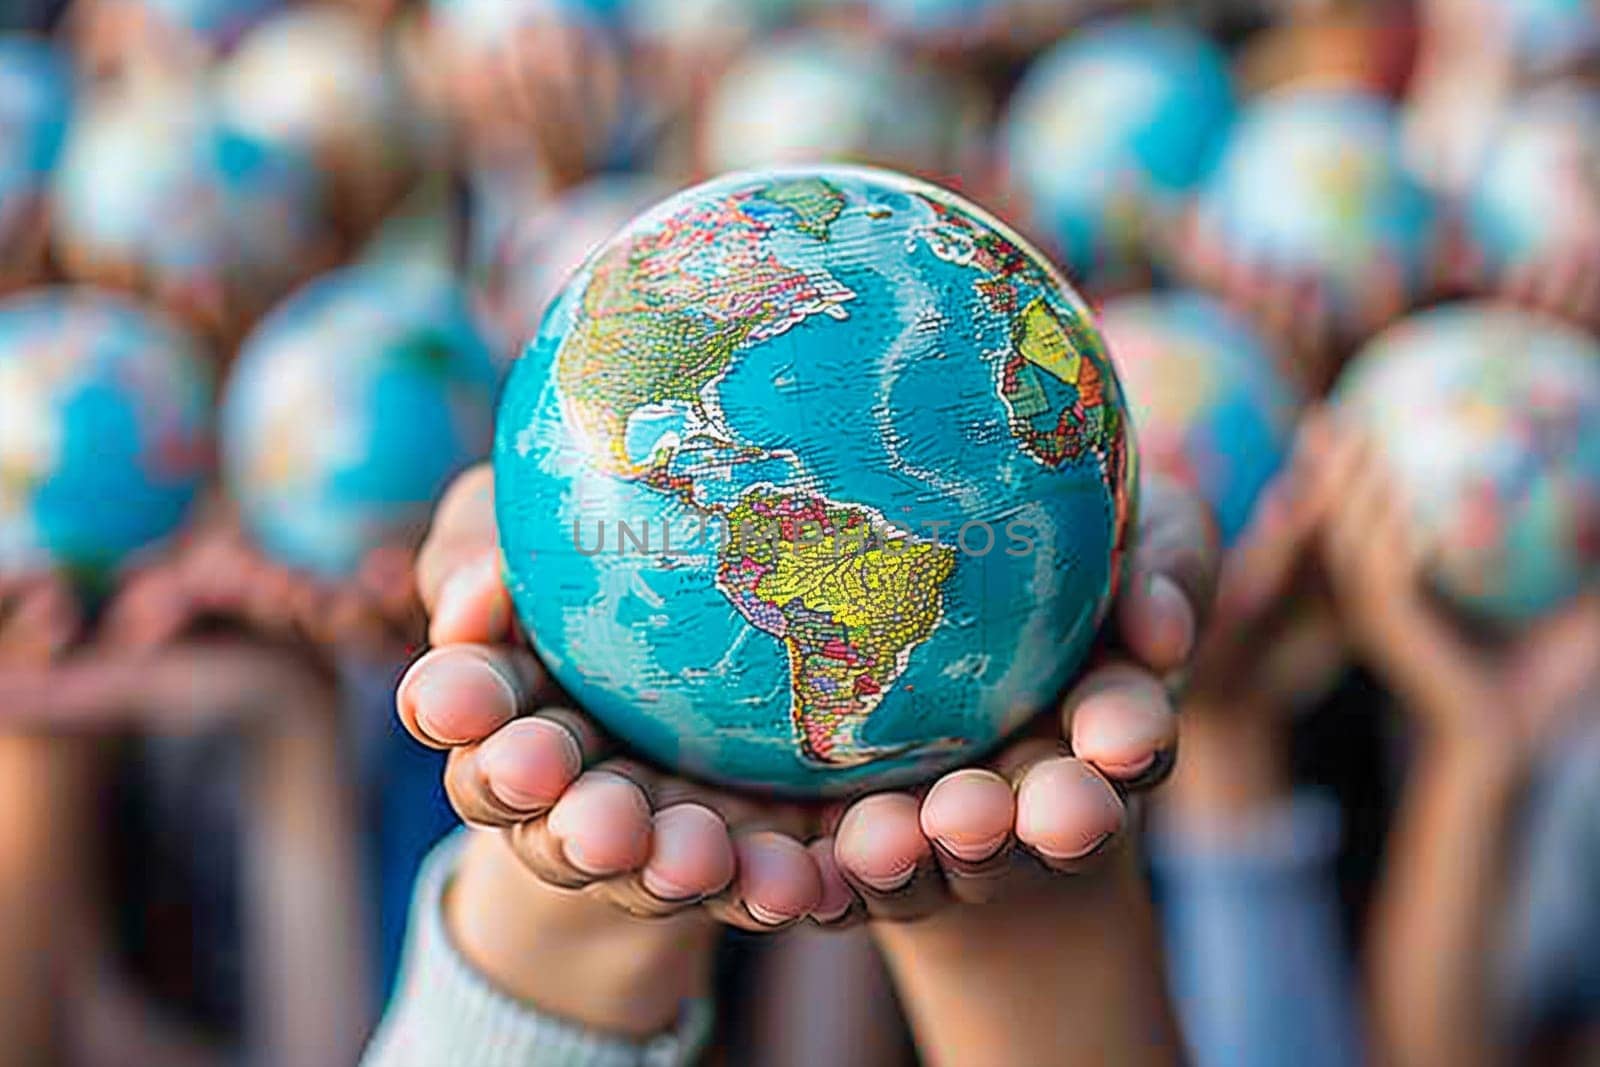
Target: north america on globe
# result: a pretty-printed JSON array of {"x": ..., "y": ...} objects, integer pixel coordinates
[{"x": 901, "y": 444}]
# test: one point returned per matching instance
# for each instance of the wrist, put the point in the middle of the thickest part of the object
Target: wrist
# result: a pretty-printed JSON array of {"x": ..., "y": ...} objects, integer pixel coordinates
[
  {"x": 569, "y": 953},
  {"x": 1231, "y": 761}
]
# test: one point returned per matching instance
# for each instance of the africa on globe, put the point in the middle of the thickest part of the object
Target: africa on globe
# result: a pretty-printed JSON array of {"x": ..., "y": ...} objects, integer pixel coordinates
[{"x": 812, "y": 480}]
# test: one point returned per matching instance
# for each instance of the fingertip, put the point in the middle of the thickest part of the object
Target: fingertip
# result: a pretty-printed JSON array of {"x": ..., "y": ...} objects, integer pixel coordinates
[
  {"x": 603, "y": 824},
  {"x": 1158, "y": 622},
  {"x": 880, "y": 841},
  {"x": 1122, "y": 722},
  {"x": 970, "y": 813},
  {"x": 836, "y": 898},
  {"x": 1066, "y": 811},
  {"x": 778, "y": 878},
  {"x": 453, "y": 697},
  {"x": 528, "y": 763},
  {"x": 473, "y": 605},
  {"x": 691, "y": 855}
]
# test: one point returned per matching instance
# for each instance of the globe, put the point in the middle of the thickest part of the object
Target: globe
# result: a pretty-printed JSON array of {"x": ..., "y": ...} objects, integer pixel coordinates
[
  {"x": 35, "y": 107},
  {"x": 829, "y": 97},
  {"x": 812, "y": 480},
  {"x": 1211, "y": 406},
  {"x": 153, "y": 180},
  {"x": 389, "y": 369},
  {"x": 1312, "y": 182},
  {"x": 316, "y": 81},
  {"x": 1490, "y": 420},
  {"x": 1110, "y": 132},
  {"x": 1537, "y": 180},
  {"x": 526, "y": 256},
  {"x": 105, "y": 431}
]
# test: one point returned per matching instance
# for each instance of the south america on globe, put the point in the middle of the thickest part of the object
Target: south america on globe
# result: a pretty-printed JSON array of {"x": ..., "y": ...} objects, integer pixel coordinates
[{"x": 813, "y": 480}]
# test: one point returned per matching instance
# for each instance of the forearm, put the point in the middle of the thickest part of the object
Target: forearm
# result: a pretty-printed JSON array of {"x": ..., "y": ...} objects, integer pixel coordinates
[
  {"x": 1072, "y": 977},
  {"x": 503, "y": 969},
  {"x": 1434, "y": 926}
]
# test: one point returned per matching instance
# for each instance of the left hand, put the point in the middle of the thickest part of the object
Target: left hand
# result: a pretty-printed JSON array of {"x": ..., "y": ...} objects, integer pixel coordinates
[{"x": 1051, "y": 803}]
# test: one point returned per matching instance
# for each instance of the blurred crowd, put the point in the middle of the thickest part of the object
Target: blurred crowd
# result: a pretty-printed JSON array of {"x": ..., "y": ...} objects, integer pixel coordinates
[{"x": 286, "y": 248}]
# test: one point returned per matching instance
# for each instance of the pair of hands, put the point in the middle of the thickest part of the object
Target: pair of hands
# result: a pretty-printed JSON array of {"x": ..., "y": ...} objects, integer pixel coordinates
[
  {"x": 1334, "y": 525},
  {"x": 578, "y": 814}
]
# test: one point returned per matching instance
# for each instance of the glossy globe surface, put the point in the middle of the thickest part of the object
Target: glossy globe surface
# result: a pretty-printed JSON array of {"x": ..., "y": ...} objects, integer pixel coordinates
[
  {"x": 350, "y": 409},
  {"x": 105, "y": 430},
  {"x": 1490, "y": 419},
  {"x": 1210, "y": 405},
  {"x": 1110, "y": 130},
  {"x": 813, "y": 479},
  {"x": 1312, "y": 182}
]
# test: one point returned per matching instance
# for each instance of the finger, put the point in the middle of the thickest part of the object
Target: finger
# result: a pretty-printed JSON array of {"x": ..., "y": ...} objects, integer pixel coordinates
[
  {"x": 599, "y": 829},
  {"x": 1120, "y": 719},
  {"x": 777, "y": 885},
  {"x": 968, "y": 815},
  {"x": 1173, "y": 575},
  {"x": 521, "y": 771},
  {"x": 691, "y": 858},
  {"x": 463, "y": 530},
  {"x": 884, "y": 856},
  {"x": 1066, "y": 812},
  {"x": 457, "y": 695},
  {"x": 837, "y": 905}
]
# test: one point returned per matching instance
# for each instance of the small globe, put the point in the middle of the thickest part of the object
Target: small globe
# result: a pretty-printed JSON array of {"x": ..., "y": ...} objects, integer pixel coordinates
[
  {"x": 1537, "y": 179},
  {"x": 813, "y": 480},
  {"x": 315, "y": 80},
  {"x": 35, "y": 108},
  {"x": 1109, "y": 133},
  {"x": 1490, "y": 420},
  {"x": 827, "y": 97},
  {"x": 527, "y": 256},
  {"x": 1211, "y": 406},
  {"x": 105, "y": 431},
  {"x": 350, "y": 409},
  {"x": 1312, "y": 181},
  {"x": 154, "y": 180}
]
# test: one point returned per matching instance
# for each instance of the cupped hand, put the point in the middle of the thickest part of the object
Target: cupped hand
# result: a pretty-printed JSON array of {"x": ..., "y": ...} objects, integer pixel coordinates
[
  {"x": 1507, "y": 695},
  {"x": 218, "y": 575}
]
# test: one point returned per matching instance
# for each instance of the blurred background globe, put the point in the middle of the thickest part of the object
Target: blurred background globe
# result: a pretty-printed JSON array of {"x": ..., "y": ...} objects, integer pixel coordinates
[
  {"x": 796, "y": 380},
  {"x": 1211, "y": 406},
  {"x": 1490, "y": 419},
  {"x": 105, "y": 431},
  {"x": 1109, "y": 132},
  {"x": 393, "y": 372}
]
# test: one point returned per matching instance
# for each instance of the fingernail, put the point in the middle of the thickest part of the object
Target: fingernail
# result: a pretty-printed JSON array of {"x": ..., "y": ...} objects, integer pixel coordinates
[
  {"x": 574, "y": 854},
  {"x": 831, "y": 914},
  {"x": 1130, "y": 769},
  {"x": 460, "y": 589},
  {"x": 664, "y": 888},
  {"x": 450, "y": 676},
  {"x": 890, "y": 882},
  {"x": 766, "y": 916},
  {"x": 511, "y": 796},
  {"x": 972, "y": 851},
  {"x": 1079, "y": 854}
]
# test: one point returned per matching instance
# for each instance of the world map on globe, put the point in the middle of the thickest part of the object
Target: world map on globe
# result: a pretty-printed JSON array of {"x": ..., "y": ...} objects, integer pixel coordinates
[
  {"x": 1498, "y": 458},
  {"x": 105, "y": 431},
  {"x": 813, "y": 479}
]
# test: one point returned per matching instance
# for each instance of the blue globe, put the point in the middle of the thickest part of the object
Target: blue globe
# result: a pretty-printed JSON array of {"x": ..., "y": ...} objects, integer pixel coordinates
[
  {"x": 1536, "y": 180},
  {"x": 349, "y": 410},
  {"x": 35, "y": 108},
  {"x": 105, "y": 431},
  {"x": 1110, "y": 132},
  {"x": 1489, "y": 418},
  {"x": 813, "y": 480},
  {"x": 1211, "y": 405},
  {"x": 1312, "y": 181}
]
